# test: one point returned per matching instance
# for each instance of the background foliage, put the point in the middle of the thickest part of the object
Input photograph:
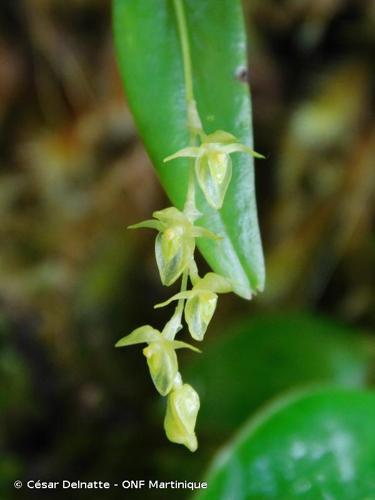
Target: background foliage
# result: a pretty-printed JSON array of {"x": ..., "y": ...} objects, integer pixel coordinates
[{"x": 73, "y": 280}]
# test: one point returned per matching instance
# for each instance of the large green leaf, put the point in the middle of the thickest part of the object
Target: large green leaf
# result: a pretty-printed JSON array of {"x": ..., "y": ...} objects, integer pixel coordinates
[
  {"x": 261, "y": 356},
  {"x": 150, "y": 61},
  {"x": 315, "y": 446}
]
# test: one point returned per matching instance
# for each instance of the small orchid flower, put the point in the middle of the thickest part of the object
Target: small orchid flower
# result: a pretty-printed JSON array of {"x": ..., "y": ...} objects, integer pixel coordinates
[
  {"x": 175, "y": 243},
  {"x": 160, "y": 354},
  {"x": 201, "y": 302},
  {"x": 182, "y": 410},
  {"x": 213, "y": 165}
]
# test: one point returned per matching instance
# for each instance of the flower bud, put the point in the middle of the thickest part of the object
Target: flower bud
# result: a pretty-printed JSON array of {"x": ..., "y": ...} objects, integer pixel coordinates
[{"x": 181, "y": 416}]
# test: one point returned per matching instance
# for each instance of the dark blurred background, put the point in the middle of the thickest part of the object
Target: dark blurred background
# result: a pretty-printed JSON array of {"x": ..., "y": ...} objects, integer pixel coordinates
[{"x": 74, "y": 174}]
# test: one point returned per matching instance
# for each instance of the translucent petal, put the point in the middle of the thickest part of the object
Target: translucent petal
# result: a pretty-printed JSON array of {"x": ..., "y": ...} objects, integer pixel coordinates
[
  {"x": 177, "y": 296},
  {"x": 185, "y": 152},
  {"x": 142, "y": 335},
  {"x": 220, "y": 136},
  {"x": 172, "y": 327},
  {"x": 173, "y": 258},
  {"x": 151, "y": 224},
  {"x": 213, "y": 190},
  {"x": 162, "y": 362},
  {"x": 242, "y": 148},
  {"x": 181, "y": 416},
  {"x": 171, "y": 216},
  {"x": 171, "y": 240},
  {"x": 215, "y": 283},
  {"x": 218, "y": 164},
  {"x": 177, "y": 344},
  {"x": 193, "y": 272},
  {"x": 199, "y": 310},
  {"x": 202, "y": 232}
]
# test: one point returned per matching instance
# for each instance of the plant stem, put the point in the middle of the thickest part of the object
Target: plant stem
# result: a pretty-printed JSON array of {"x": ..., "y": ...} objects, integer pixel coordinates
[
  {"x": 193, "y": 119},
  {"x": 195, "y": 129},
  {"x": 185, "y": 47},
  {"x": 174, "y": 325},
  {"x": 181, "y": 302}
]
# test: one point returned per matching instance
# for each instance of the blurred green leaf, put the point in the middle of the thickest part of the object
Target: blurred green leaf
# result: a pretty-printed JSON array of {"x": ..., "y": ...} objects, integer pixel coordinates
[
  {"x": 149, "y": 56},
  {"x": 15, "y": 380},
  {"x": 312, "y": 446},
  {"x": 267, "y": 354}
]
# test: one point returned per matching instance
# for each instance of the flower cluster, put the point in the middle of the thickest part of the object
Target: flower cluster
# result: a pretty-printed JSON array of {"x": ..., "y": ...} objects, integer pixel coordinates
[
  {"x": 183, "y": 401},
  {"x": 174, "y": 251}
]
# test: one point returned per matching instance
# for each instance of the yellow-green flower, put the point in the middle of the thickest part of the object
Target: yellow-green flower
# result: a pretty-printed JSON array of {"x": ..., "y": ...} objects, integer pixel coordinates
[
  {"x": 213, "y": 165},
  {"x": 201, "y": 302},
  {"x": 181, "y": 415},
  {"x": 175, "y": 243},
  {"x": 160, "y": 354}
]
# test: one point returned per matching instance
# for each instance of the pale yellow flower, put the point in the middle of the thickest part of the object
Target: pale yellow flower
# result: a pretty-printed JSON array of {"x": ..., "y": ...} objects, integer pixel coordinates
[
  {"x": 213, "y": 165},
  {"x": 181, "y": 415},
  {"x": 201, "y": 302},
  {"x": 160, "y": 354},
  {"x": 175, "y": 243}
]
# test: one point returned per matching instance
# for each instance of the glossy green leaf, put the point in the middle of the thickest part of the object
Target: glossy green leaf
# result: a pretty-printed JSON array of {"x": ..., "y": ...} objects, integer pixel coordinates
[
  {"x": 149, "y": 56},
  {"x": 311, "y": 446},
  {"x": 262, "y": 356}
]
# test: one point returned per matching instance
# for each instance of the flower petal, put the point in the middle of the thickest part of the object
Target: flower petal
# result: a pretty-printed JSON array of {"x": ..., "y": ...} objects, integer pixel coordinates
[
  {"x": 151, "y": 224},
  {"x": 220, "y": 136},
  {"x": 215, "y": 283},
  {"x": 163, "y": 366},
  {"x": 171, "y": 215},
  {"x": 202, "y": 232},
  {"x": 182, "y": 410},
  {"x": 142, "y": 335},
  {"x": 177, "y": 296},
  {"x": 173, "y": 259},
  {"x": 199, "y": 311},
  {"x": 177, "y": 344},
  {"x": 242, "y": 148},
  {"x": 213, "y": 190},
  {"x": 192, "y": 151}
]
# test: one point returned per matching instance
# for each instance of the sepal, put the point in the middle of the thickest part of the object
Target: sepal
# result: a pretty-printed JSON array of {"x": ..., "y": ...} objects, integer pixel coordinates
[
  {"x": 162, "y": 363},
  {"x": 142, "y": 335}
]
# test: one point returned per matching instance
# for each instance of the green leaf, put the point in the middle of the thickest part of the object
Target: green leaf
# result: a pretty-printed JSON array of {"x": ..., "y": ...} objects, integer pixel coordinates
[
  {"x": 150, "y": 61},
  {"x": 316, "y": 445},
  {"x": 262, "y": 356}
]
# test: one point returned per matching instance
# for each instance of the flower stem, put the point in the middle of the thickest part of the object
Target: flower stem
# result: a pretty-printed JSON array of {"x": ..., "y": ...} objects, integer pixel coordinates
[
  {"x": 185, "y": 47},
  {"x": 174, "y": 325},
  {"x": 193, "y": 119},
  {"x": 195, "y": 130},
  {"x": 181, "y": 302}
]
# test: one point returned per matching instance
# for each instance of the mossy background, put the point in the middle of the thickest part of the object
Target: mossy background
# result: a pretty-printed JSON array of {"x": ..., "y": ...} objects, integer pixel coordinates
[{"x": 73, "y": 175}]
